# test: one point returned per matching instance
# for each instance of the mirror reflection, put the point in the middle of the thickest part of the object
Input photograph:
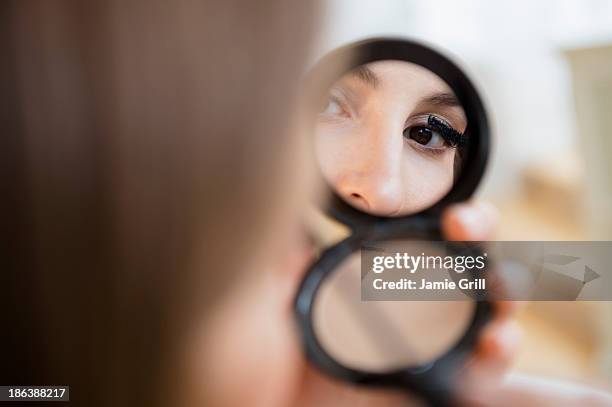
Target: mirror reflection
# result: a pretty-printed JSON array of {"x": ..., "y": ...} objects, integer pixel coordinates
[{"x": 390, "y": 138}]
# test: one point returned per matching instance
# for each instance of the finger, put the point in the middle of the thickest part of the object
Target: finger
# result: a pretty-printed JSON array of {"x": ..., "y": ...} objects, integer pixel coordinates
[
  {"x": 525, "y": 390},
  {"x": 508, "y": 309},
  {"x": 470, "y": 221},
  {"x": 499, "y": 344},
  {"x": 494, "y": 355}
]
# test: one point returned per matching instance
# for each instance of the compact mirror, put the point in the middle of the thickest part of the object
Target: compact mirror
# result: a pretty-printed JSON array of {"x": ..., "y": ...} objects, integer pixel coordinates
[
  {"x": 390, "y": 138},
  {"x": 398, "y": 133}
]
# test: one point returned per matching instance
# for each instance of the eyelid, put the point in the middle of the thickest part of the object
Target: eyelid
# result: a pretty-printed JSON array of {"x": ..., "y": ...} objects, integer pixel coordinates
[
  {"x": 451, "y": 135},
  {"x": 339, "y": 96},
  {"x": 422, "y": 120}
]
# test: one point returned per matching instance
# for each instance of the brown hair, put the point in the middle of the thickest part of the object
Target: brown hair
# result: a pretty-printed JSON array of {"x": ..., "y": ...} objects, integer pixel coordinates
[{"x": 141, "y": 146}]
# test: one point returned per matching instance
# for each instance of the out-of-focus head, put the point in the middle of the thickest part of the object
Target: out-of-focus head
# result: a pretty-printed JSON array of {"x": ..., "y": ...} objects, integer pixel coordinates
[{"x": 152, "y": 169}]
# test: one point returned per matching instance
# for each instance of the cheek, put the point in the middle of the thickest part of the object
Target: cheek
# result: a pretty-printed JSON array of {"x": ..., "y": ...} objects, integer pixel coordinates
[
  {"x": 337, "y": 148},
  {"x": 250, "y": 355},
  {"x": 426, "y": 179}
]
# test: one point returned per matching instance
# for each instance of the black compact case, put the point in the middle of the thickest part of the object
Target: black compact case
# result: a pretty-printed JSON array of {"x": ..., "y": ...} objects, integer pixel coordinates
[{"x": 434, "y": 382}]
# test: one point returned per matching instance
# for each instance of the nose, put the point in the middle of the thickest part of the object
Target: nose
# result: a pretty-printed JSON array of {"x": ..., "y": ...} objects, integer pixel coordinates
[
  {"x": 373, "y": 181},
  {"x": 379, "y": 200}
]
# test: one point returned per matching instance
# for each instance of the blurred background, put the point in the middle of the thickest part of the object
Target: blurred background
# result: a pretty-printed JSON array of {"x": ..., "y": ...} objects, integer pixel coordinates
[{"x": 545, "y": 71}]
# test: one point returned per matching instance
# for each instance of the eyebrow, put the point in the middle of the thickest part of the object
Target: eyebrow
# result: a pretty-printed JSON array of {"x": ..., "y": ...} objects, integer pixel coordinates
[
  {"x": 442, "y": 99},
  {"x": 366, "y": 75}
]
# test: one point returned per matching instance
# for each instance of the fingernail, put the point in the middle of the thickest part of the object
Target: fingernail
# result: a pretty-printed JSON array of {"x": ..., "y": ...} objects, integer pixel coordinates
[
  {"x": 509, "y": 336},
  {"x": 472, "y": 222}
]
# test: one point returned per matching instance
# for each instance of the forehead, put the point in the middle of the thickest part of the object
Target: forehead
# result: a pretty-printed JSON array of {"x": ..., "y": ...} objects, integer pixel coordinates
[{"x": 400, "y": 76}]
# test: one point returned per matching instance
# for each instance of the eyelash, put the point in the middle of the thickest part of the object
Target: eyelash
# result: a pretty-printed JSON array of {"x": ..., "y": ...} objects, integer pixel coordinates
[{"x": 450, "y": 136}]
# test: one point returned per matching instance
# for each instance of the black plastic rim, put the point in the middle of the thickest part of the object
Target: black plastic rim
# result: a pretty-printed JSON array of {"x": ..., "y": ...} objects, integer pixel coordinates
[
  {"x": 326, "y": 72},
  {"x": 433, "y": 382}
]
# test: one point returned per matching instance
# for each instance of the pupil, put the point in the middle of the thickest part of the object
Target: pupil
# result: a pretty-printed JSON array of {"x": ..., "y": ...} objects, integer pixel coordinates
[{"x": 421, "y": 135}]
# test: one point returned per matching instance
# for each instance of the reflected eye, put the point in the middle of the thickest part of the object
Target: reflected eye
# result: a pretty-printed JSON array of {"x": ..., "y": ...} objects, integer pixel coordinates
[
  {"x": 334, "y": 107},
  {"x": 426, "y": 137}
]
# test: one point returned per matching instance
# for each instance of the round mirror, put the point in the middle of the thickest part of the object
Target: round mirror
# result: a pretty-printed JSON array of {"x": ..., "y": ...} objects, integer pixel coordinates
[{"x": 390, "y": 138}]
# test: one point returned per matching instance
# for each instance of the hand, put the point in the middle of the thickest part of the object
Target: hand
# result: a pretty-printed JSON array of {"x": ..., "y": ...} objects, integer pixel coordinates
[{"x": 499, "y": 343}]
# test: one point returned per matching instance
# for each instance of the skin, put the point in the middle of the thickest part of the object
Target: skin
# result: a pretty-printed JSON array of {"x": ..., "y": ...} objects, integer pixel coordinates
[{"x": 362, "y": 147}]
